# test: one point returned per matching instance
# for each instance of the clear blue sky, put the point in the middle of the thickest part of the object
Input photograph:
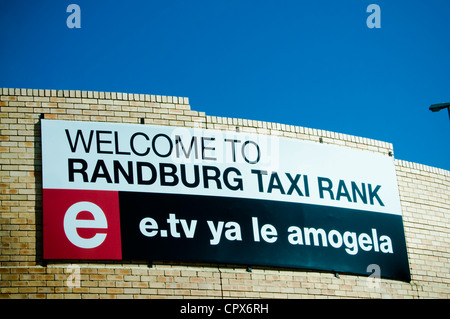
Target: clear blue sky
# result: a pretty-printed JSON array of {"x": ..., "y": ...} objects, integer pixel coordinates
[{"x": 309, "y": 63}]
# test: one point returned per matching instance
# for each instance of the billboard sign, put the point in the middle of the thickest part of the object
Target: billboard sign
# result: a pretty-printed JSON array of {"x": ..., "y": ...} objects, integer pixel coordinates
[{"x": 142, "y": 192}]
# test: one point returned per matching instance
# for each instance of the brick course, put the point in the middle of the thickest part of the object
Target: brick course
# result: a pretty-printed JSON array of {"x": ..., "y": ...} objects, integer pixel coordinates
[{"x": 424, "y": 193}]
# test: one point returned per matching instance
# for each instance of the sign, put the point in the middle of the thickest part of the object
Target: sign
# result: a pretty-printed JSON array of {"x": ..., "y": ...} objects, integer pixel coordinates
[{"x": 142, "y": 192}]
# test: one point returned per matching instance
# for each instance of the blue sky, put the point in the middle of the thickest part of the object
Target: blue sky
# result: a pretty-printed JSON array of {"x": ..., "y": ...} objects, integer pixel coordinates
[{"x": 308, "y": 63}]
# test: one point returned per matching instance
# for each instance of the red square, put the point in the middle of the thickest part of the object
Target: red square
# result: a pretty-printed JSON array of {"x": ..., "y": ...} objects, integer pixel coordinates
[{"x": 81, "y": 224}]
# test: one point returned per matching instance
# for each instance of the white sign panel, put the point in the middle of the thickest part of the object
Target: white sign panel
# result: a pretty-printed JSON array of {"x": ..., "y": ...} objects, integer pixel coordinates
[{"x": 146, "y": 158}]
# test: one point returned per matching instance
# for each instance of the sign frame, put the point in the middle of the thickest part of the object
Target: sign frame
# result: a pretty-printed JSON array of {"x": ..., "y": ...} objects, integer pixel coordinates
[{"x": 135, "y": 192}]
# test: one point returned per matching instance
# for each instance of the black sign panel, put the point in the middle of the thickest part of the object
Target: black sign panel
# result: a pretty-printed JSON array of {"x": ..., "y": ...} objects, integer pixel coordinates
[{"x": 261, "y": 232}]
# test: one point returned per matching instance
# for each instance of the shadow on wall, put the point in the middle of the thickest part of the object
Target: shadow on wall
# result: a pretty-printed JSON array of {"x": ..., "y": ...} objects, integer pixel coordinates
[{"x": 38, "y": 191}]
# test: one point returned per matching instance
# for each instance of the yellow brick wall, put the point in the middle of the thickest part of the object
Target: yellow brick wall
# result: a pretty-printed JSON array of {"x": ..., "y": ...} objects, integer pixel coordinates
[{"x": 424, "y": 193}]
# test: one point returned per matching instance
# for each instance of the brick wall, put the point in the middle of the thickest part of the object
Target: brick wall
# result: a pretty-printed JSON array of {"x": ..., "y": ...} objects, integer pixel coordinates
[{"x": 424, "y": 193}]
